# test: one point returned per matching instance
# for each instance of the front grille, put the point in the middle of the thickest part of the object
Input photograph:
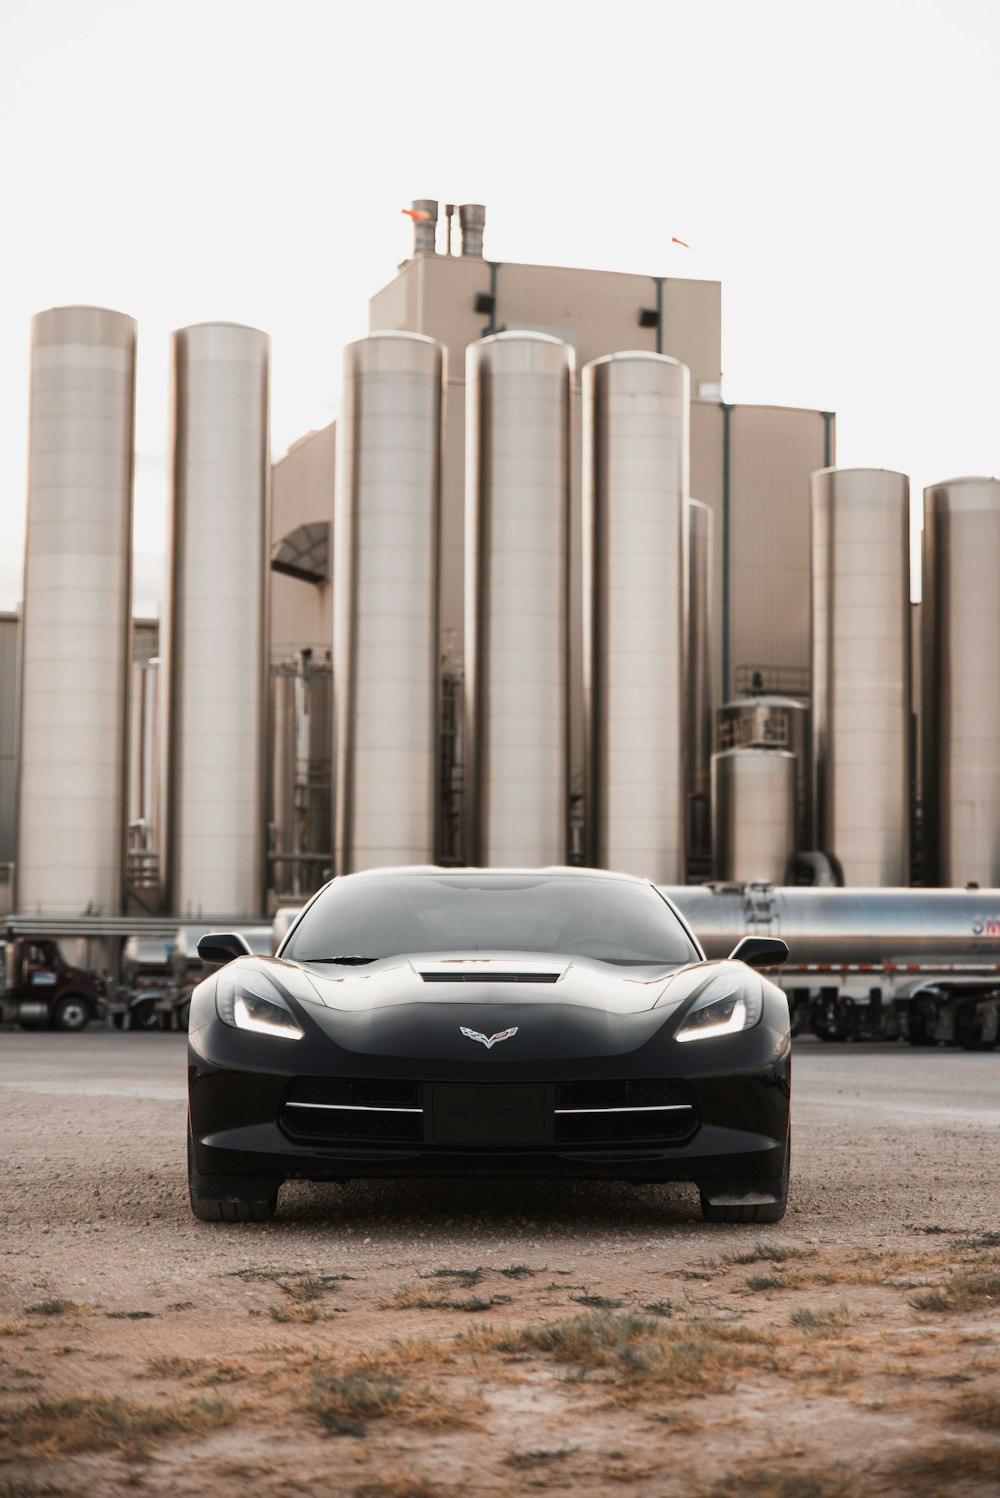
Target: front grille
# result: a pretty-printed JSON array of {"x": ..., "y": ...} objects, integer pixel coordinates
[
  {"x": 334, "y": 1110},
  {"x": 624, "y": 1112},
  {"x": 323, "y": 1108}
]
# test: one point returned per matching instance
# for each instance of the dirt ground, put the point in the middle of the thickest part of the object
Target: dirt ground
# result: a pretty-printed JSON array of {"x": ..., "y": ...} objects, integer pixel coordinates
[{"x": 428, "y": 1341}]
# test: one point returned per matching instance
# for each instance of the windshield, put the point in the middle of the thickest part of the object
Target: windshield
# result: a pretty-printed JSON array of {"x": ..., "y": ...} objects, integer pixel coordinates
[{"x": 463, "y": 914}]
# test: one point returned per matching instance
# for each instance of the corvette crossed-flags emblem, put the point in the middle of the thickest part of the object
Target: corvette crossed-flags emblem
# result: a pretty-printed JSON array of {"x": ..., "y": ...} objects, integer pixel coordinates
[{"x": 493, "y": 1039}]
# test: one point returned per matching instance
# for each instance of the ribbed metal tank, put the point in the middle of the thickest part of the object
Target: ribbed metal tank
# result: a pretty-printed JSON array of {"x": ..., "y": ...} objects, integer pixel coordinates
[
  {"x": 753, "y": 814},
  {"x": 636, "y": 409},
  {"x": 143, "y": 865},
  {"x": 77, "y": 612},
  {"x": 216, "y": 698},
  {"x": 861, "y": 672},
  {"x": 517, "y": 498},
  {"x": 961, "y": 682},
  {"x": 387, "y": 520},
  {"x": 774, "y": 722},
  {"x": 698, "y": 680}
]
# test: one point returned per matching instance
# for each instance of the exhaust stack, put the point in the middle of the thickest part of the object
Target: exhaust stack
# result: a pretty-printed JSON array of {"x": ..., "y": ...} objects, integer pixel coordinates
[{"x": 472, "y": 218}]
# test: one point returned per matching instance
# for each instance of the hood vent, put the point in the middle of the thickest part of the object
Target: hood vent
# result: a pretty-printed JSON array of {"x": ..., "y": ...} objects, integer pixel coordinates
[{"x": 549, "y": 977}]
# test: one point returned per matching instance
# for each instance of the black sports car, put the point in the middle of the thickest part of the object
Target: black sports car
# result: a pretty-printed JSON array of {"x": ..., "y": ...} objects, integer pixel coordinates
[{"x": 441, "y": 1022}]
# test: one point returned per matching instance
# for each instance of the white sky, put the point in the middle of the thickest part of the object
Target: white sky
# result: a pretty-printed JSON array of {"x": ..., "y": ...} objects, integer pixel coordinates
[{"x": 835, "y": 166}]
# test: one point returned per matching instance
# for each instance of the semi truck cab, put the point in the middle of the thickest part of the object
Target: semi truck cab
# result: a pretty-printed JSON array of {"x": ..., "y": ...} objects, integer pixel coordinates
[{"x": 40, "y": 989}]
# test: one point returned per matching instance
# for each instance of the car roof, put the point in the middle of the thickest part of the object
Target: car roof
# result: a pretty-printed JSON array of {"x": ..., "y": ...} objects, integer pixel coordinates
[{"x": 438, "y": 871}]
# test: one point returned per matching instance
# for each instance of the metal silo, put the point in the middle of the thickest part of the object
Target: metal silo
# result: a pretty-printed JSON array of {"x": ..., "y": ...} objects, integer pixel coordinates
[
  {"x": 77, "y": 613},
  {"x": 387, "y": 520},
  {"x": 517, "y": 498},
  {"x": 216, "y": 703},
  {"x": 961, "y": 682},
  {"x": 861, "y": 672},
  {"x": 774, "y": 722},
  {"x": 698, "y": 680},
  {"x": 753, "y": 814},
  {"x": 635, "y": 479}
]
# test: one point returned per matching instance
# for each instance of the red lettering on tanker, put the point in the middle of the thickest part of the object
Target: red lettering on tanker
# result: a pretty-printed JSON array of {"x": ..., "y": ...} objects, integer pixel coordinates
[{"x": 986, "y": 925}]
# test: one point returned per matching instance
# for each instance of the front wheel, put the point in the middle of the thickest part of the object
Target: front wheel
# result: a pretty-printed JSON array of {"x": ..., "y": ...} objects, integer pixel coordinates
[
  {"x": 725, "y": 1206},
  {"x": 229, "y": 1198},
  {"x": 71, "y": 1013}
]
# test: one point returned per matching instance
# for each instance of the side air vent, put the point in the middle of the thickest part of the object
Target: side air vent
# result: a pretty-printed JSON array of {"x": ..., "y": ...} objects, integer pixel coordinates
[{"x": 490, "y": 977}]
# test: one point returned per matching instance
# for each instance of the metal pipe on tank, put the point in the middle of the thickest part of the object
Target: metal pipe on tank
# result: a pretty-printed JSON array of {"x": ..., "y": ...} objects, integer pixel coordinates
[
  {"x": 635, "y": 480},
  {"x": 387, "y": 521},
  {"x": 698, "y": 679},
  {"x": 216, "y": 656},
  {"x": 77, "y": 613},
  {"x": 961, "y": 682},
  {"x": 753, "y": 814},
  {"x": 425, "y": 229},
  {"x": 861, "y": 671},
  {"x": 517, "y": 497},
  {"x": 472, "y": 221}
]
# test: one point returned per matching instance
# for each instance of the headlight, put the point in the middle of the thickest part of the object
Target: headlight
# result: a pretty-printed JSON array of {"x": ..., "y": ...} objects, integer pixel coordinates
[
  {"x": 729, "y": 1003},
  {"x": 247, "y": 1000}
]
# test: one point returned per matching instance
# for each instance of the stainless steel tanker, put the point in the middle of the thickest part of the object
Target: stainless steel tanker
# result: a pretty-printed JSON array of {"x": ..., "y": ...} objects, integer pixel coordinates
[{"x": 925, "y": 962}]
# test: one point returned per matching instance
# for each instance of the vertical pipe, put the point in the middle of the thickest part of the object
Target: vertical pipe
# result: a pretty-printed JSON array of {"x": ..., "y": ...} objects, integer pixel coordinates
[
  {"x": 517, "y": 491},
  {"x": 861, "y": 671},
  {"x": 216, "y": 725},
  {"x": 387, "y": 520},
  {"x": 636, "y": 411},
  {"x": 77, "y": 613},
  {"x": 727, "y": 448},
  {"x": 698, "y": 678}
]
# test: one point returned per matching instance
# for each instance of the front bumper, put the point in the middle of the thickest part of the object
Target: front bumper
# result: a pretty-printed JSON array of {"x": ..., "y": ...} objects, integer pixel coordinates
[{"x": 739, "y": 1087}]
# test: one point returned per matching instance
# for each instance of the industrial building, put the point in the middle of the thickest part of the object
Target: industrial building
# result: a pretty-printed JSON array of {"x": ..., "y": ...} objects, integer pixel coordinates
[{"x": 539, "y": 595}]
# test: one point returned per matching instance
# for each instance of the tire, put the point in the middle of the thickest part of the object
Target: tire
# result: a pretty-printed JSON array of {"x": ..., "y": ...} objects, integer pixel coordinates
[
  {"x": 72, "y": 1013},
  {"x": 772, "y": 1211},
  {"x": 229, "y": 1198},
  {"x": 144, "y": 1016}
]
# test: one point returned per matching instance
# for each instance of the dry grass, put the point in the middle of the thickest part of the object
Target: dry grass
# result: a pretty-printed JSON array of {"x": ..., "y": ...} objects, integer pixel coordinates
[
  {"x": 401, "y": 1486},
  {"x": 14, "y": 1328},
  {"x": 981, "y": 1410},
  {"x": 523, "y": 1461},
  {"x": 829, "y": 1322},
  {"x": 54, "y": 1306},
  {"x": 641, "y": 1353},
  {"x": 967, "y": 1289},
  {"x": 173, "y": 1367},
  {"x": 50, "y": 1426},
  {"x": 346, "y": 1403},
  {"x": 833, "y": 1481},
  {"x": 934, "y": 1471},
  {"x": 769, "y": 1253},
  {"x": 412, "y": 1298}
]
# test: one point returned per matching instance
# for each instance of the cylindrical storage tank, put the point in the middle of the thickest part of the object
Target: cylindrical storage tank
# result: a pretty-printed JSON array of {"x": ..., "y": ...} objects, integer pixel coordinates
[
  {"x": 387, "y": 519},
  {"x": 517, "y": 499},
  {"x": 961, "y": 682},
  {"x": 774, "y": 722},
  {"x": 635, "y": 476},
  {"x": 861, "y": 672},
  {"x": 753, "y": 815},
  {"x": 77, "y": 613},
  {"x": 698, "y": 679},
  {"x": 216, "y": 658}
]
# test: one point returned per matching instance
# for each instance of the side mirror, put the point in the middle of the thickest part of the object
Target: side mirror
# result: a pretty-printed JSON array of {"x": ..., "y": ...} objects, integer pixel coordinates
[
  {"x": 223, "y": 946},
  {"x": 760, "y": 951}
]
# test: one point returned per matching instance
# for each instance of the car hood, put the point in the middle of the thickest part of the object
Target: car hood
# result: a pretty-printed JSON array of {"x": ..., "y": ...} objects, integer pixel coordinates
[{"x": 482, "y": 980}]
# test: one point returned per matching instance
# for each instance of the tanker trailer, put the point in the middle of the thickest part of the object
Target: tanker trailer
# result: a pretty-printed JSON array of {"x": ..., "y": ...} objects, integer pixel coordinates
[{"x": 868, "y": 963}]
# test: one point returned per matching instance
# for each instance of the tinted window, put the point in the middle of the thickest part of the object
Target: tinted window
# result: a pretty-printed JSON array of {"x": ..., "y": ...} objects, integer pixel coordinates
[{"x": 469, "y": 913}]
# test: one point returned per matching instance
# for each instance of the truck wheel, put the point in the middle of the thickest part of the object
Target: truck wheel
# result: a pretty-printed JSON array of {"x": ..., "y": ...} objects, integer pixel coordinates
[
  {"x": 71, "y": 1013},
  {"x": 229, "y": 1198},
  {"x": 145, "y": 1017}
]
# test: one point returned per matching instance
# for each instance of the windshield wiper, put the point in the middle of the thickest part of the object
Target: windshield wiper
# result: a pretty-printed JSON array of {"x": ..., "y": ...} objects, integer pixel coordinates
[{"x": 349, "y": 959}]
